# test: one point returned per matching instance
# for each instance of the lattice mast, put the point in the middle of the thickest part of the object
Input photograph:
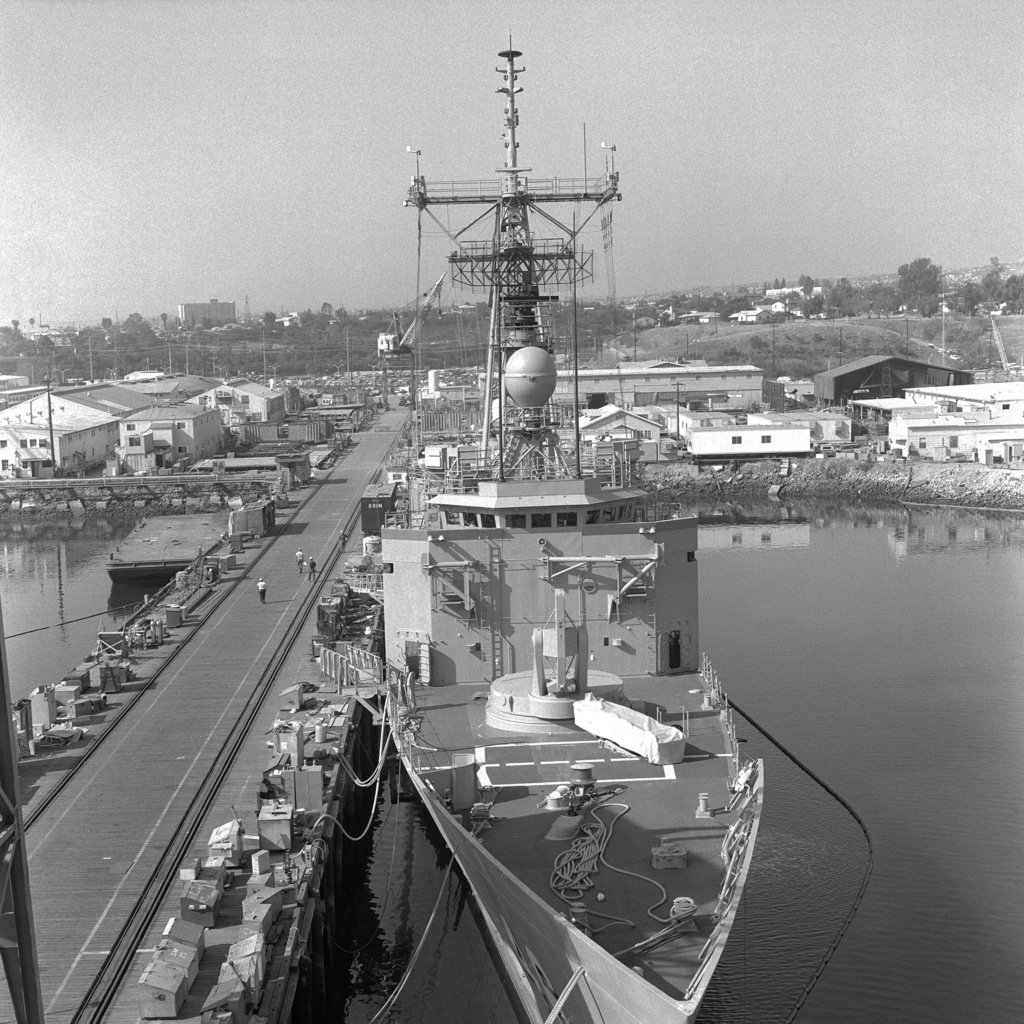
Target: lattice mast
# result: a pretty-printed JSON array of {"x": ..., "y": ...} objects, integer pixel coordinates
[{"x": 518, "y": 268}]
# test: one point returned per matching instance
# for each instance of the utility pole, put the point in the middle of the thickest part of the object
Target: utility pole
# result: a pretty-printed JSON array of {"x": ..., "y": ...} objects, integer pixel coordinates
[
  {"x": 18, "y": 953},
  {"x": 48, "y": 380},
  {"x": 634, "y": 337}
]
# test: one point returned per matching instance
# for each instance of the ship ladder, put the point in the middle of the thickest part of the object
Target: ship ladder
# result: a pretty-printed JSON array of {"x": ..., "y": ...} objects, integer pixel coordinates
[{"x": 653, "y": 666}]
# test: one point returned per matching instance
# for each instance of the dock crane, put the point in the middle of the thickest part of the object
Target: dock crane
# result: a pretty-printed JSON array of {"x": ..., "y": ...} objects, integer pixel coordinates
[{"x": 393, "y": 344}]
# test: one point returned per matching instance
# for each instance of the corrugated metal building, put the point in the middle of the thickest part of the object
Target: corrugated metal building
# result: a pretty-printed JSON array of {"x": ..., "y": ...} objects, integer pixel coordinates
[{"x": 882, "y": 377}]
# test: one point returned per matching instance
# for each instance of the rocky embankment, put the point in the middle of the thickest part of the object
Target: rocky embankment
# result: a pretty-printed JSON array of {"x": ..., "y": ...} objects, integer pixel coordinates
[
  {"x": 875, "y": 483},
  {"x": 122, "y": 499}
]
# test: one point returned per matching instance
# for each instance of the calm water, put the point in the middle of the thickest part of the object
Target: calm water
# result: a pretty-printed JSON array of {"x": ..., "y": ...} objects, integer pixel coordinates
[
  {"x": 883, "y": 649},
  {"x": 56, "y": 595}
]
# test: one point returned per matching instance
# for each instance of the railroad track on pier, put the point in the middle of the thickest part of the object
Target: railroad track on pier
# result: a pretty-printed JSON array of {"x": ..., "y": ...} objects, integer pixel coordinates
[
  {"x": 105, "y": 985},
  {"x": 99, "y": 961},
  {"x": 106, "y": 982},
  {"x": 39, "y": 808}
]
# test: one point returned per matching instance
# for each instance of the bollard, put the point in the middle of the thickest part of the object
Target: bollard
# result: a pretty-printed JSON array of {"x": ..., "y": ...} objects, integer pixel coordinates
[{"x": 703, "y": 807}]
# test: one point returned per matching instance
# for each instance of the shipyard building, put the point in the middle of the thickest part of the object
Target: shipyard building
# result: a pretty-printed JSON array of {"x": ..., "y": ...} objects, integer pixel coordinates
[{"x": 695, "y": 385}]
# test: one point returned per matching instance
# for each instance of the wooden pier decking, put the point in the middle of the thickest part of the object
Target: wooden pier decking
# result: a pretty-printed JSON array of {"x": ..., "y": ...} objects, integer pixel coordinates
[{"x": 92, "y": 852}]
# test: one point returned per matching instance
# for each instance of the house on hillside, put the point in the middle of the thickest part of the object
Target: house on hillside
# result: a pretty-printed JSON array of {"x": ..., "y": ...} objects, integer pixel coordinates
[{"x": 757, "y": 315}]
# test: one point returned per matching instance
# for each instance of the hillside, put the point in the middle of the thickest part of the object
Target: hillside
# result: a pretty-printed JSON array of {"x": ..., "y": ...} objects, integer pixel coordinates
[{"x": 802, "y": 348}]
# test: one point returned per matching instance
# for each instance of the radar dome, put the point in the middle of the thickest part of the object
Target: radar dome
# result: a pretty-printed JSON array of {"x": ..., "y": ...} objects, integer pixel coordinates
[{"x": 530, "y": 377}]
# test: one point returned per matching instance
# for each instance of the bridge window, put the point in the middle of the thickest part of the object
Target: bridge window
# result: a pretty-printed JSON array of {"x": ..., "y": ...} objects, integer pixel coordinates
[
  {"x": 594, "y": 515},
  {"x": 487, "y": 520},
  {"x": 539, "y": 520},
  {"x": 736, "y": 439},
  {"x": 515, "y": 520},
  {"x": 565, "y": 519},
  {"x": 469, "y": 519}
]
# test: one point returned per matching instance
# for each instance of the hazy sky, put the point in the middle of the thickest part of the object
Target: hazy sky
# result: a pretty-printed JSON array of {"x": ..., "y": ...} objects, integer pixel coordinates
[{"x": 153, "y": 153}]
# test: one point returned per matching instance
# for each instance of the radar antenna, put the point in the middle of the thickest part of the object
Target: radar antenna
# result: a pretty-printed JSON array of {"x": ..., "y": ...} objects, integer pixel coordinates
[{"x": 519, "y": 269}]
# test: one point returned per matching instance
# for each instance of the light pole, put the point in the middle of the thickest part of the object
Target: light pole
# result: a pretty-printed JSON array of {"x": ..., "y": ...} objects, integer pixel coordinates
[
  {"x": 48, "y": 380},
  {"x": 419, "y": 153},
  {"x": 610, "y": 160}
]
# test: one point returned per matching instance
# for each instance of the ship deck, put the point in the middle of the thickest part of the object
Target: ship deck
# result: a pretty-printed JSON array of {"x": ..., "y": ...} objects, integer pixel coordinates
[{"x": 662, "y": 800}]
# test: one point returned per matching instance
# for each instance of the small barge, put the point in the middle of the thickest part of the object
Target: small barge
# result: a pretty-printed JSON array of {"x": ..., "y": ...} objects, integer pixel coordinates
[{"x": 159, "y": 547}]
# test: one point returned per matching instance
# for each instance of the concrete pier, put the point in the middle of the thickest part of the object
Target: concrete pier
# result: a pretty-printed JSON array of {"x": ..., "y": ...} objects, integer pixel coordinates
[{"x": 93, "y": 851}]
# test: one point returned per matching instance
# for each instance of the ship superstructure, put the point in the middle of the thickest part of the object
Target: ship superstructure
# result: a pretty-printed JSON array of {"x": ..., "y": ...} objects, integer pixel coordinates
[{"x": 553, "y": 706}]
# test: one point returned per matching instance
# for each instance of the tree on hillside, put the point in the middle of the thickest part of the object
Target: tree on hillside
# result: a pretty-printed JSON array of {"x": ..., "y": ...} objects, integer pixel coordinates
[
  {"x": 806, "y": 284},
  {"x": 992, "y": 282},
  {"x": 919, "y": 285},
  {"x": 844, "y": 297},
  {"x": 16, "y": 324},
  {"x": 269, "y": 319},
  {"x": 107, "y": 324},
  {"x": 970, "y": 298},
  {"x": 1013, "y": 293}
]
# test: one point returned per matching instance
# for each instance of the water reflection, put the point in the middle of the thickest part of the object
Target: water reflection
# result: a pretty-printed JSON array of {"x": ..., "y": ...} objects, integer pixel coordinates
[{"x": 910, "y": 530}]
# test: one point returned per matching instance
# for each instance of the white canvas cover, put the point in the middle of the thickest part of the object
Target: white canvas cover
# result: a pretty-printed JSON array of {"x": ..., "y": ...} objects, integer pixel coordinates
[{"x": 631, "y": 730}]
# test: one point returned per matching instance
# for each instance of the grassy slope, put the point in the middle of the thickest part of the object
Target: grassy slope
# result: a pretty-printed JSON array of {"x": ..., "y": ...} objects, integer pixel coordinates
[{"x": 805, "y": 348}]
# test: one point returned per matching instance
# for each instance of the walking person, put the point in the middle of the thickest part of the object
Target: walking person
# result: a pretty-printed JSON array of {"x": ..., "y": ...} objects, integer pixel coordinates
[
  {"x": 312, "y": 570},
  {"x": 298, "y": 559},
  {"x": 261, "y": 588}
]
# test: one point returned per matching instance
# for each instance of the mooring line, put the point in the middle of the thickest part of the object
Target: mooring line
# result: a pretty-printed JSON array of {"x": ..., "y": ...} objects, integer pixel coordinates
[{"x": 851, "y": 810}]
